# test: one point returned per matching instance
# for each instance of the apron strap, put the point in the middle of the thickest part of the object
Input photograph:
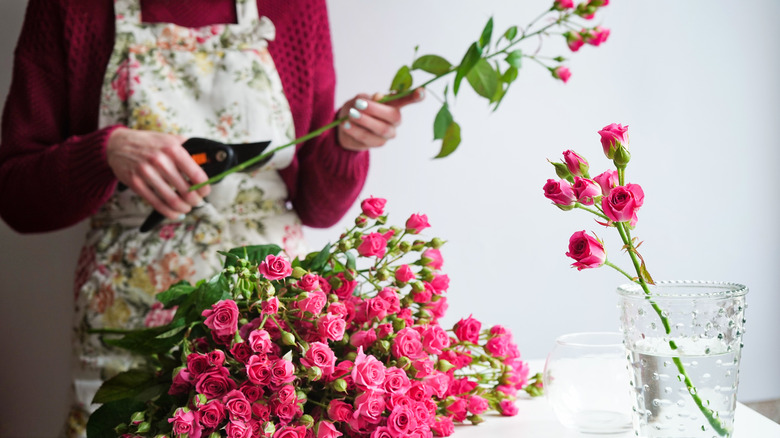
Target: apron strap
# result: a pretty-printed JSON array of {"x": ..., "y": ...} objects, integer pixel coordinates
[
  {"x": 127, "y": 12},
  {"x": 246, "y": 12}
]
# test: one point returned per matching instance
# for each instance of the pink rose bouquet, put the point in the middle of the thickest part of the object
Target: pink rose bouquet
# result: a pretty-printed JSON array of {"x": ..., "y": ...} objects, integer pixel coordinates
[
  {"x": 616, "y": 204},
  {"x": 344, "y": 342}
]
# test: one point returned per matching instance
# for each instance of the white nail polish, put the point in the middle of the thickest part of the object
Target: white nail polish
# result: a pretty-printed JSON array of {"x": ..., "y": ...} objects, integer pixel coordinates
[
  {"x": 355, "y": 114},
  {"x": 347, "y": 125},
  {"x": 181, "y": 217},
  {"x": 361, "y": 104}
]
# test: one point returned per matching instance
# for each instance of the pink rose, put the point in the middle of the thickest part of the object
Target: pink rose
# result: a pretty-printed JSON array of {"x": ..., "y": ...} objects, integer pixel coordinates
[
  {"x": 597, "y": 36},
  {"x": 368, "y": 372},
  {"x": 396, "y": 381},
  {"x": 401, "y": 421},
  {"x": 363, "y": 339},
  {"x": 326, "y": 429},
  {"x": 585, "y": 190},
  {"x": 282, "y": 371},
  {"x": 309, "y": 282},
  {"x": 577, "y": 165},
  {"x": 320, "y": 355},
  {"x": 258, "y": 370},
  {"x": 407, "y": 343},
  {"x": 587, "y": 251},
  {"x": 184, "y": 422},
  {"x": 574, "y": 40},
  {"x": 417, "y": 223},
  {"x": 440, "y": 283},
  {"x": 211, "y": 414},
  {"x": 561, "y": 5},
  {"x": 437, "y": 308},
  {"x": 369, "y": 406},
  {"x": 275, "y": 268},
  {"x": 434, "y": 258},
  {"x": 197, "y": 364},
  {"x": 443, "y": 425},
  {"x": 390, "y": 296},
  {"x": 508, "y": 408},
  {"x": 237, "y": 406},
  {"x": 345, "y": 288},
  {"x": 559, "y": 192},
  {"x": 498, "y": 330},
  {"x": 215, "y": 384},
  {"x": 181, "y": 383},
  {"x": 384, "y": 330},
  {"x": 468, "y": 330},
  {"x": 373, "y": 207},
  {"x": 498, "y": 346},
  {"x": 241, "y": 351},
  {"x": 623, "y": 202},
  {"x": 382, "y": 432},
  {"x": 222, "y": 318},
  {"x": 458, "y": 409},
  {"x": 607, "y": 181},
  {"x": 260, "y": 341},
  {"x": 291, "y": 432},
  {"x": 404, "y": 274},
  {"x": 376, "y": 308},
  {"x": 561, "y": 73},
  {"x": 435, "y": 339},
  {"x": 330, "y": 326},
  {"x": 251, "y": 391},
  {"x": 270, "y": 306},
  {"x": 286, "y": 395},
  {"x": 613, "y": 136},
  {"x": 339, "y": 411},
  {"x": 313, "y": 303},
  {"x": 372, "y": 245},
  {"x": 477, "y": 405}
]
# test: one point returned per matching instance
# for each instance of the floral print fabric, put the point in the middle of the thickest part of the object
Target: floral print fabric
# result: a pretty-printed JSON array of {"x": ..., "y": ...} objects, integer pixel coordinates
[{"x": 217, "y": 82}]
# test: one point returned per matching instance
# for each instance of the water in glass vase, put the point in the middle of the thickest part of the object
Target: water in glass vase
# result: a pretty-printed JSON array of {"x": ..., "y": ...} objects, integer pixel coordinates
[{"x": 665, "y": 407}]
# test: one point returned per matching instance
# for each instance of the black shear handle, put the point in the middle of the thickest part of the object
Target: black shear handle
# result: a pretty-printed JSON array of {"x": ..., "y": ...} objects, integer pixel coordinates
[{"x": 215, "y": 158}]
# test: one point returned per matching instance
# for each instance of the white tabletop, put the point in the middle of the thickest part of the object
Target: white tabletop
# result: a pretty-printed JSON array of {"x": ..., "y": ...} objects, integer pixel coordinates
[{"x": 535, "y": 419}]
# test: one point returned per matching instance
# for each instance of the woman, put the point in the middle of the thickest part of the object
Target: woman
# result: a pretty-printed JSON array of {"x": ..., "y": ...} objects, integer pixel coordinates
[{"x": 105, "y": 94}]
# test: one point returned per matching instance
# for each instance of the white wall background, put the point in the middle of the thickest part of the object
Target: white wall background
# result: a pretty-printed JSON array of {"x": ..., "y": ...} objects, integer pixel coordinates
[{"x": 695, "y": 80}]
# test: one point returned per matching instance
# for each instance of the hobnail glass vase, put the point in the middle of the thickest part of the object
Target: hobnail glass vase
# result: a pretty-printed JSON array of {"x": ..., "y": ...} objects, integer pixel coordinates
[{"x": 684, "y": 341}]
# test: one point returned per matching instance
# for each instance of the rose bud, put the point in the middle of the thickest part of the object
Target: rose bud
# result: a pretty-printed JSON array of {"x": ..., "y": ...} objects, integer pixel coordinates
[
  {"x": 574, "y": 40},
  {"x": 575, "y": 163},
  {"x": 613, "y": 136},
  {"x": 586, "y": 190},
  {"x": 373, "y": 207},
  {"x": 607, "y": 181},
  {"x": 561, "y": 73},
  {"x": 417, "y": 223},
  {"x": 562, "y": 5},
  {"x": 597, "y": 36},
  {"x": 560, "y": 193},
  {"x": 587, "y": 251}
]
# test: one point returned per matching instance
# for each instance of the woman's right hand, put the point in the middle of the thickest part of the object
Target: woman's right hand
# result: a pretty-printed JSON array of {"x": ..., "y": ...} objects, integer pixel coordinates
[{"x": 158, "y": 168}]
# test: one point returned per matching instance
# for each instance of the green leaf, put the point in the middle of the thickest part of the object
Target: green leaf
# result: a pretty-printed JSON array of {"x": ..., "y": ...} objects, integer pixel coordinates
[
  {"x": 515, "y": 58},
  {"x": 351, "y": 263},
  {"x": 511, "y": 33},
  {"x": 432, "y": 64},
  {"x": 473, "y": 54},
  {"x": 175, "y": 294},
  {"x": 483, "y": 79},
  {"x": 487, "y": 33},
  {"x": 217, "y": 288},
  {"x": 442, "y": 121},
  {"x": 451, "y": 140},
  {"x": 102, "y": 422},
  {"x": 146, "y": 341},
  {"x": 128, "y": 384},
  {"x": 509, "y": 75},
  {"x": 402, "y": 80},
  {"x": 254, "y": 253},
  {"x": 319, "y": 261}
]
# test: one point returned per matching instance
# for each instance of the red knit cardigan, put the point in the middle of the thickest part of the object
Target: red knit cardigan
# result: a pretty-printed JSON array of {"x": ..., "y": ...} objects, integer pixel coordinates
[{"x": 53, "y": 168}]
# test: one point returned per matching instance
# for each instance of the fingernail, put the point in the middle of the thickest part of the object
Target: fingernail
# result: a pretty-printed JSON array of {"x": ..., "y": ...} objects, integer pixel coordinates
[
  {"x": 420, "y": 93},
  {"x": 347, "y": 125},
  {"x": 201, "y": 203},
  {"x": 361, "y": 104},
  {"x": 355, "y": 114},
  {"x": 181, "y": 217}
]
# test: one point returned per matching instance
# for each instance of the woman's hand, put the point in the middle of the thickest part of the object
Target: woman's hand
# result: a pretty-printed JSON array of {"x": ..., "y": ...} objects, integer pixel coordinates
[
  {"x": 371, "y": 123},
  {"x": 157, "y": 168}
]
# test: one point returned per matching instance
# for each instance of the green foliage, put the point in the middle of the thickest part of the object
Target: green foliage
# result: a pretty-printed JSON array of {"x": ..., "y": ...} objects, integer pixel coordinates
[
  {"x": 433, "y": 64},
  {"x": 103, "y": 422},
  {"x": 402, "y": 80}
]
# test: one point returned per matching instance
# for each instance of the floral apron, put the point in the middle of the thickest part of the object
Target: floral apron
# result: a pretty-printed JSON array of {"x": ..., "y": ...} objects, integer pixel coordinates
[{"x": 217, "y": 82}]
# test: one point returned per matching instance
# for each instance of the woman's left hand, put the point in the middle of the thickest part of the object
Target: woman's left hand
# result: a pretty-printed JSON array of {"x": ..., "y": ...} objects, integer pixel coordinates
[{"x": 370, "y": 123}]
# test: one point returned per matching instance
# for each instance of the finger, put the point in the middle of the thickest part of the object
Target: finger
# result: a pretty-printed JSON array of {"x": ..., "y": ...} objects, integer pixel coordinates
[
  {"x": 167, "y": 169},
  {"x": 376, "y": 110},
  {"x": 139, "y": 186},
  {"x": 376, "y": 126},
  {"x": 416, "y": 96},
  {"x": 163, "y": 190},
  {"x": 358, "y": 138},
  {"x": 192, "y": 172}
]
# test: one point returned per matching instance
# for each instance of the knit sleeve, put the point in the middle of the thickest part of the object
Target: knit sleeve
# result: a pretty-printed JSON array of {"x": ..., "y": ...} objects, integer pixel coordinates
[
  {"x": 329, "y": 178},
  {"x": 50, "y": 178}
]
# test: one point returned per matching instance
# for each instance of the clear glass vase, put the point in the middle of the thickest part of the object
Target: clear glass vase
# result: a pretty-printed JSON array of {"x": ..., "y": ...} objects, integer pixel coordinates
[{"x": 684, "y": 341}]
